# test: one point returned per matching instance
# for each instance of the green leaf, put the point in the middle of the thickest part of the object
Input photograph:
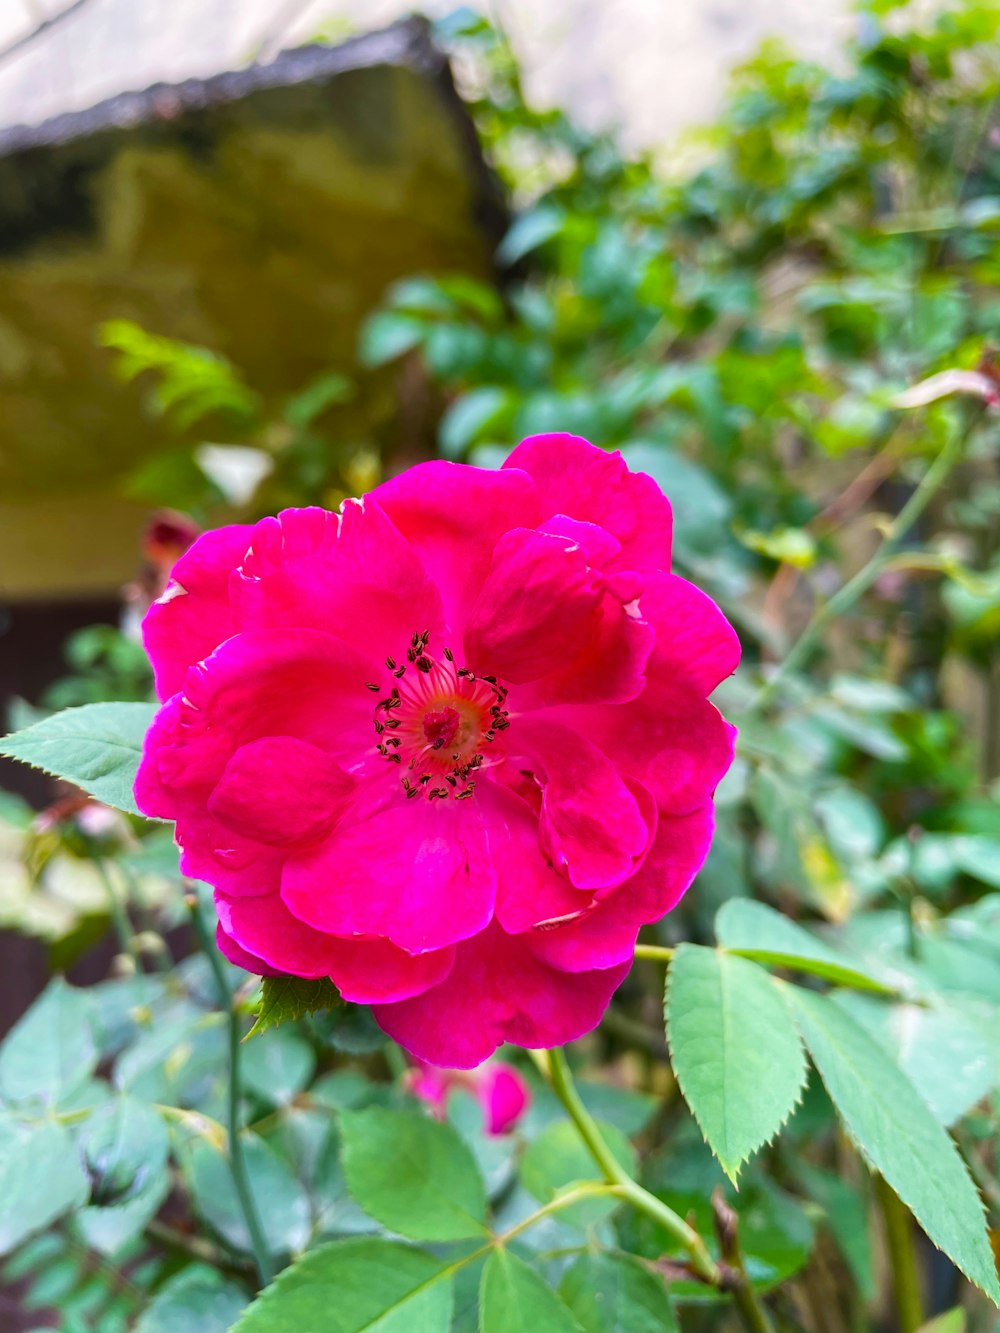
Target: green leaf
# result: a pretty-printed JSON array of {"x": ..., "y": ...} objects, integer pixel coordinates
[
  {"x": 389, "y": 334},
  {"x": 754, "y": 930},
  {"x": 735, "y": 1050},
  {"x": 412, "y": 1174},
  {"x": 790, "y": 546},
  {"x": 41, "y": 1177},
  {"x": 897, "y": 1133},
  {"x": 978, "y": 856},
  {"x": 468, "y": 417},
  {"x": 356, "y": 1286},
  {"x": 50, "y": 1050},
  {"x": 514, "y": 1299},
  {"x": 284, "y": 999},
  {"x": 529, "y": 231},
  {"x": 558, "y": 1159},
  {"x": 281, "y": 1200},
  {"x": 124, "y": 1142},
  {"x": 195, "y": 1298},
  {"x": 614, "y": 1293},
  {"x": 948, "y": 1056},
  {"x": 125, "y": 1146},
  {"x": 278, "y": 1066},
  {"x": 96, "y": 747}
]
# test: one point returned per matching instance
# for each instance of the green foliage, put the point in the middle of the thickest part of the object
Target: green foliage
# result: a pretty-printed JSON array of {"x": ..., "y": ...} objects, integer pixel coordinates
[
  {"x": 282, "y": 1199},
  {"x": 898, "y": 1135},
  {"x": 412, "y": 1174},
  {"x": 49, "y": 1052},
  {"x": 748, "y": 331},
  {"x": 284, "y": 999},
  {"x": 754, "y": 930},
  {"x": 41, "y": 1177},
  {"x": 514, "y": 1299},
  {"x": 614, "y": 1293},
  {"x": 196, "y": 1297},
  {"x": 96, "y": 746},
  {"x": 735, "y": 1050},
  {"x": 190, "y": 382},
  {"x": 356, "y": 1286},
  {"x": 558, "y": 1159}
]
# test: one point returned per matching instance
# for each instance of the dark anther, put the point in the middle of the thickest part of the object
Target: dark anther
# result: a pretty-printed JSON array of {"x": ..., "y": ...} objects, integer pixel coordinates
[
  {"x": 449, "y": 654},
  {"x": 370, "y": 685},
  {"x": 391, "y": 663},
  {"x": 424, "y": 664}
]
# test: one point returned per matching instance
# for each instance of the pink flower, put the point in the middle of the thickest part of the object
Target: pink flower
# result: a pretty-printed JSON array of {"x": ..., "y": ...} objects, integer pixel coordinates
[
  {"x": 501, "y": 1091},
  {"x": 450, "y": 747}
]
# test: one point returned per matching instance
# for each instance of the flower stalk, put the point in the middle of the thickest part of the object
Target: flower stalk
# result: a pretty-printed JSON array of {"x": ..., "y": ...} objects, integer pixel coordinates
[
  {"x": 237, "y": 1162},
  {"x": 630, "y": 1191},
  {"x": 730, "y": 1276}
]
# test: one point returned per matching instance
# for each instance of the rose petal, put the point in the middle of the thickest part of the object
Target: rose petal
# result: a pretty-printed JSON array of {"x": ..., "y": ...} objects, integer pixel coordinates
[
  {"x": 694, "y": 640},
  {"x": 194, "y": 615},
  {"x": 280, "y": 790},
  {"x": 241, "y": 957},
  {"x": 503, "y": 1095},
  {"x": 574, "y": 477},
  {"x": 611, "y": 669},
  {"x": 671, "y": 739},
  {"x": 364, "y": 971},
  {"x": 453, "y": 516},
  {"x": 417, "y": 872},
  {"x": 529, "y": 891},
  {"x": 591, "y": 827},
  {"x": 498, "y": 991},
  {"x": 606, "y": 936},
  {"x": 539, "y": 604},
  {"x": 310, "y": 569}
]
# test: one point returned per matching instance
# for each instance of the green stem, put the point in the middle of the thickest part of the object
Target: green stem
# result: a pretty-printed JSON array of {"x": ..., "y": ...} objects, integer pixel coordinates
[
  {"x": 656, "y": 953},
  {"x": 237, "y": 1162},
  {"x": 902, "y": 1259},
  {"x": 627, "y": 1189},
  {"x": 727, "y": 1227},
  {"x": 119, "y": 915},
  {"x": 845, "y": 597}
]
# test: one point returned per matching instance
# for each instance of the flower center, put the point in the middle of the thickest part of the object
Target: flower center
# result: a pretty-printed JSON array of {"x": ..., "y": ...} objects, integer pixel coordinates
[{"x": 438, "y": 722}]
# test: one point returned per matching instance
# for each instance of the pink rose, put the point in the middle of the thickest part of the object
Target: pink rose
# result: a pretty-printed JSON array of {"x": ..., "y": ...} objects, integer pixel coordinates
[
  {"x": 499, "y": 1088},
  {"x": 450, "y": 747}
]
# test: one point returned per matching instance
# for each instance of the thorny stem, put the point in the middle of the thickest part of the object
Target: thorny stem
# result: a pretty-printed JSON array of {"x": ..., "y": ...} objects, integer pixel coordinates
[
  {"x": 845, "y": 597},
  {"x": 630, "y": 1191},
  {"x": 237, "y": 1162},
  {"x": 727, "y": 1227}
]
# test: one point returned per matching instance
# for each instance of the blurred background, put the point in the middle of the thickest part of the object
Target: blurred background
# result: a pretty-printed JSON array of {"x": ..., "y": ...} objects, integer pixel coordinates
[{"x": 259, "y": 253}]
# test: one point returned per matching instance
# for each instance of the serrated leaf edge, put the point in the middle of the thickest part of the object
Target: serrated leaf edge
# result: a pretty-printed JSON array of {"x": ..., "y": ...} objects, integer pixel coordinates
[{"x": 732, "y": 1169}]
